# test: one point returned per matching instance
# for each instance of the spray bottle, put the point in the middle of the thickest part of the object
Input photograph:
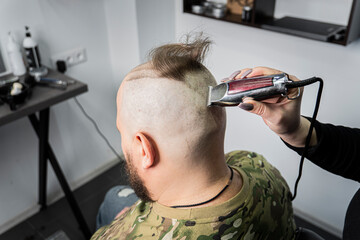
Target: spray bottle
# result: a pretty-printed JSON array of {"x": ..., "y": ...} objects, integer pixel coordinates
[
  {"x": 31, "y": 50},
  {"x": 15, "y": 56}
]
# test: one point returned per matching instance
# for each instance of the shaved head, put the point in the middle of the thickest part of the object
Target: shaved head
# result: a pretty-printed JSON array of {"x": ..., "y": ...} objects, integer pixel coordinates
[{"x": 167, "y": 109}]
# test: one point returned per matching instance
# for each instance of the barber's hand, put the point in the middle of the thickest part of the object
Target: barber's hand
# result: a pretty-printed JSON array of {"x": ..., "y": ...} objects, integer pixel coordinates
[{"x": 280, "y": 114}]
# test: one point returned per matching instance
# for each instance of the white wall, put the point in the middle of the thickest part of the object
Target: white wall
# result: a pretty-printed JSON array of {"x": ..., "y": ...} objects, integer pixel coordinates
[
  {"x": 121, "y": 23},
  {"x": 321, "y": 195},
  {"x": 156, "y": 24},
  {"x": 60, "y": 25}
]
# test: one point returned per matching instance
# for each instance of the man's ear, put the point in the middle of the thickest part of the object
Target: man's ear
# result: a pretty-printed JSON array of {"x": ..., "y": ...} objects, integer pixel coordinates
[{"x": 145, "y": 149}]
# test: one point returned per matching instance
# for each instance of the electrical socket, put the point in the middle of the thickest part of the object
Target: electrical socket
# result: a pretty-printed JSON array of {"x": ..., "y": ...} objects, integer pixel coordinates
[{"x": 71, "y": 57}]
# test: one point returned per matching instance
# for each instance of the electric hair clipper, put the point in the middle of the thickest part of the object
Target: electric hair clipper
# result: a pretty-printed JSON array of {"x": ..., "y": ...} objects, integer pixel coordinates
[{"x": 259, "y": 88}]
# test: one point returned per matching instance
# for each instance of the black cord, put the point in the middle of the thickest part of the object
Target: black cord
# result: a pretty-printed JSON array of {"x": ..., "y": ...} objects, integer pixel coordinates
[
  {"x": 308, "y": 138},
  {"x": 97, "y": 128},
  {"x": 61, "y": 67},
  {"x": 302, "y": 83},
  {"x": 213, "y": 198}
]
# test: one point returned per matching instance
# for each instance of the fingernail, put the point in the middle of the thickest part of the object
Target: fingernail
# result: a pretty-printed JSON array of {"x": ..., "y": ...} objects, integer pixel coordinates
[
  {"x": 232, "y": 76},
  {"x": 244, "y": 74},
  {"x": 224, "y": 79},
  {"x": 246, "y": 106}
]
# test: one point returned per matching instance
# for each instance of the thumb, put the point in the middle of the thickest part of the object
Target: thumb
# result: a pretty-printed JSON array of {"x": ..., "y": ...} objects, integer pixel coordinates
[{"x": 253, "y": 106}]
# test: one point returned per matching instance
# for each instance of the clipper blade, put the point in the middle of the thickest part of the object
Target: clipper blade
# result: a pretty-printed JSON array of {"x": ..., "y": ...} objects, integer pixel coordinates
[
  {"x": 209, "y": 97},
  {"x": 216, "y": 95}
]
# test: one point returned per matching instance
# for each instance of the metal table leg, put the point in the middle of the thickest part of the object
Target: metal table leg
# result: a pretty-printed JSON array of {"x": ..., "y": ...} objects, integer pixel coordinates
[
  {"x": 43, "y": 136},
  {"x": 41, "y": 128}
]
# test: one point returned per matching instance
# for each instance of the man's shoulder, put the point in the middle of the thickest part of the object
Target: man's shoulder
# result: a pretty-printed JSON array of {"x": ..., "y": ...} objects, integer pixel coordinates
[
  {"x": 240, "y": 158},
  {"x": 128, "y": 223},
  {"x": 256, "y": 169}
]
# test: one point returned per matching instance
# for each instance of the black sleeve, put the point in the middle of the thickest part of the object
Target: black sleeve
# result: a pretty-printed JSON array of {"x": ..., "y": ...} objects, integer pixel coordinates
[{"x": 337, "y": 151}]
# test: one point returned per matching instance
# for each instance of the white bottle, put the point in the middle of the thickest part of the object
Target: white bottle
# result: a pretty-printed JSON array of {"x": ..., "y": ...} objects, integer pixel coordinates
[
  {"x": 31, "y": 51},
  {"x": 15, "y": 56}
]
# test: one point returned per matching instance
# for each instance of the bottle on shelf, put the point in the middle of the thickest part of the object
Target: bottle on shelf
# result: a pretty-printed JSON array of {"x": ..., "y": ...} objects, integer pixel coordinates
[
  {"x": 15, "y": 57},
  {"x": 31, "y": 50}
]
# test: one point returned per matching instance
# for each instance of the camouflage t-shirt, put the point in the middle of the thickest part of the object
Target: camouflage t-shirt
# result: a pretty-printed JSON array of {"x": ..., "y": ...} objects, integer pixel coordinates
[{"x": 261, "y": 210}]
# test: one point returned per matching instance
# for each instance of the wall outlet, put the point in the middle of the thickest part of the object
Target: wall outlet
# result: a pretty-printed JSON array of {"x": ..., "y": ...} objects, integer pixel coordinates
[{"x": 71, "y": 57}]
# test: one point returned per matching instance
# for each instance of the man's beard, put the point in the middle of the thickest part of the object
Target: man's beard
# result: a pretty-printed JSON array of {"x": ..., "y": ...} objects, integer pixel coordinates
[{"x": 135, "y": 181}]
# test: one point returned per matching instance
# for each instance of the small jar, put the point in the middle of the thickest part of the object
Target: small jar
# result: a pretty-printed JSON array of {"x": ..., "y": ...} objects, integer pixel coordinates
[
  {"x": 208, "y": 8},
  {"x": 218, "y": 10},
  {"x": 246, "y": 14},
  {"x": 198, "y": 9}
]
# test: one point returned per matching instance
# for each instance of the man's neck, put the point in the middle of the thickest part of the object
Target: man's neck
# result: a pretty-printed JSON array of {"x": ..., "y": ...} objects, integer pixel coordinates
[{"x": 199, "y": 184}]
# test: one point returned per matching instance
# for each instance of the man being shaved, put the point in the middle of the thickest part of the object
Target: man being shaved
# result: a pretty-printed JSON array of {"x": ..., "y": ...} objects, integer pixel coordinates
[{"x": 174, "y": 150}]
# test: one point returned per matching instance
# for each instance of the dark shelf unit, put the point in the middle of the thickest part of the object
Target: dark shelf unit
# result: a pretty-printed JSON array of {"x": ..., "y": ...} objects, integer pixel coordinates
[{"x": 263, "y": 18}]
